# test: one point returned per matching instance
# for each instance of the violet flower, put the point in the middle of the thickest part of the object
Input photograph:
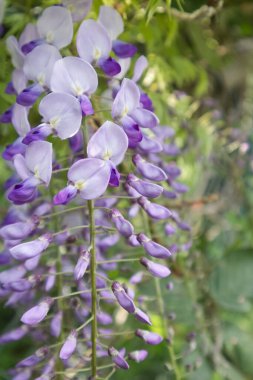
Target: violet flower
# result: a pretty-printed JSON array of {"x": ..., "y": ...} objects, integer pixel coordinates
[
  {"x": 149, "y": 337},
  {"x": 37, "y": 313},
  {"x": 117, "y": 358},
  {"x": 69, "y": 346}
]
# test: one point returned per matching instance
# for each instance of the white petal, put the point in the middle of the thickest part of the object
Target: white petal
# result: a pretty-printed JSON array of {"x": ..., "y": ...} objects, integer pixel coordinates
[
  {"x": 111, "y": 20},
  {"x": 20, "y": 119},
  {"x": 110, "y": 142},
  {"x": 62, "y": 112},
  {"x": 38, "y": 158},
  {"x": 74, "y": 76},
  {"x": 39, "y": 63},
  {"x": 92, "y": 42},
  {"x": 55, "y": 26}
]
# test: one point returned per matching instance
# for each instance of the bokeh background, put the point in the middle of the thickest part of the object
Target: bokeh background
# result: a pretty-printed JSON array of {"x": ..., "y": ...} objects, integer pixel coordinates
[{"x": 200, "y": 78}]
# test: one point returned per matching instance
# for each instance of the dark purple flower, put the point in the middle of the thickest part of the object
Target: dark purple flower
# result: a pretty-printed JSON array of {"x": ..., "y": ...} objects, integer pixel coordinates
[
  {"x": 123, "y": 49},
  {"x": 154, "y": 210},
  {"x": 147, "y": 189}
]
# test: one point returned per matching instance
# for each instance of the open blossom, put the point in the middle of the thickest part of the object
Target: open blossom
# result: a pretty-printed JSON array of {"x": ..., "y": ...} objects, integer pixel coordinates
[
  {"x": 91, "y": 176},
  {"x": 73, "y": 76},
  {"x": 34, "y": 168},
  {"x": 61, "y": 116}
]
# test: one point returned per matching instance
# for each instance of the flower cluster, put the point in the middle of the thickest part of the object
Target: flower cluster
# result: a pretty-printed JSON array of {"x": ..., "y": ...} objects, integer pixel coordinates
[{"x": 63, "y": 270}]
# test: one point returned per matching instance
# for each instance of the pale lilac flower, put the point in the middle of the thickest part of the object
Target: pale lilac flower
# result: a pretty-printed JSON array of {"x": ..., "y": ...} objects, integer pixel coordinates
[
  {"x": 142, "y": 317},
  {"x": 19, "y": 230},
  {"x": 62, "y": 116},
  {"x": 69, "y": 346},
  {"x": 37, "y": 313},
  {"x": 73, "y": 76},
  {"x": 55, "y": 26},
  {"x": 38, "y": 66},
  {"x": 20, "y": 120},
  {"x": 94, "y": 46},
  {"x": 50, "y": 279}
]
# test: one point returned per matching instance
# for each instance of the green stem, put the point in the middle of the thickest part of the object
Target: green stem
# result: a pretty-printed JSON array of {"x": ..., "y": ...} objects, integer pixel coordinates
[{"x": 93, "y": 267}]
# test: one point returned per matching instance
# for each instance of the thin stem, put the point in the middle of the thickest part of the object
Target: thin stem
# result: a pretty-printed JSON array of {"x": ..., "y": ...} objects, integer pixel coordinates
[
  {"x": 93, "y": 268},
  {"x": 78, "y": 370},
  {"x": 79, "y": 292},
  {"x": 83, "y": 226},
  {"x": 85, "y": 324},
  {"x": 116, "y": 261}
]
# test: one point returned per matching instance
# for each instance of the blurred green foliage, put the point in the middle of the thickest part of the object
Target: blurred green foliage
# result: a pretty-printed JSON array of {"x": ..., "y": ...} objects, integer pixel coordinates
[{"x": 210, "y": 60}]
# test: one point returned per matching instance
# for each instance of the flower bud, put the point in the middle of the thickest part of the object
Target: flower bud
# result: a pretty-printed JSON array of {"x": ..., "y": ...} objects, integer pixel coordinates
[
  {"x": 141, "y": 316},
  {"x": 124, "y": 227},
  {"x": 69, "y": 346},
  {"x": 82, "y": 265},
  {"x": 37, "y": 313},
  {"x": 123, "y": 298},
  {"x": 34, "y": 359},
  {"x": 138, "y": 356},
  {"x": 65, "y": 195},
  {"x": 13, "y": 335},
  {"x": 157, "y": 270},
  {"x": 154, "y": 210},
  {"x": 55, "y": 325},
  {"x": 149, "y": 337},
  {"x": 148, "y": 170},
  {"x": 152, "y": 248},
  {"x": 147, "y": 189},
  {"x": 31, "y": 249},
  {"x": 117, "y": 358},
  {"x": 104, "y": 318}
]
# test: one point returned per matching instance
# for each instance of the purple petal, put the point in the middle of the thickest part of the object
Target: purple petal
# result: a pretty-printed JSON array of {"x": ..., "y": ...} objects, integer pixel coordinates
[
  {"x": 114, "y": 177},
  {"x": 86, "y": 105},
  {"x": 23, "y": 192},
  {"x": 6, "y": 117},
  {"x": 132, "y": 131},
  {"x": 123, "y": 49},
  {"x": 29, "y": 95},
  {"x": 65, "y": 195},
  {"x": 76, "y": 142},
  {"x": 146, "y": 102},
  {"x": 142, "y": 317},
  {"x": 29, "y": 46},
  {"x": 14, "y": 335},
  {"x": 78, "y": 8},
  {"x": 109, "y": 66},
  {"x": 41, "y": 132}
]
